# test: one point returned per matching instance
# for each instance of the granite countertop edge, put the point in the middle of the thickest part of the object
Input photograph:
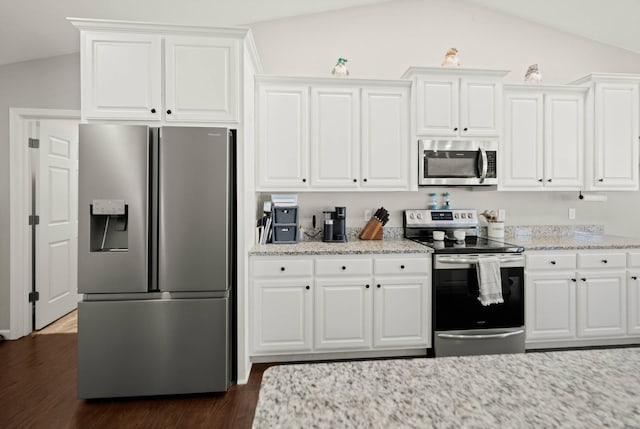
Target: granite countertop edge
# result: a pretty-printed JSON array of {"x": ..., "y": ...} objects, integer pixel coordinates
[
  {"x": 349, "y": 248},
  {"x": 575, "y": 242}
]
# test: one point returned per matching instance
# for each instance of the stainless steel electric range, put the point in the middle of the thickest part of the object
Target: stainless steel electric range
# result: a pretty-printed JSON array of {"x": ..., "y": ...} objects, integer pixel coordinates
[{"x": 461, "y": 324}]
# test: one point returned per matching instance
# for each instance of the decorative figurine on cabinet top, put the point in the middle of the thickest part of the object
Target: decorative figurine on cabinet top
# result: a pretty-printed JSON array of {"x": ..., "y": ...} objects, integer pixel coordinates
[
  {"x": 340, "y": 68},
  {"x": 451, "y": 58},
  {"x": 533, "y": 75}
]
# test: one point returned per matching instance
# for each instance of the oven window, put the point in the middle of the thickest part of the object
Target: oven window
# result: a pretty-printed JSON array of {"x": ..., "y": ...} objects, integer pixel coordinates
[
  {"x": 456, "y": 304},
  {"x": 451, "y": 164}
]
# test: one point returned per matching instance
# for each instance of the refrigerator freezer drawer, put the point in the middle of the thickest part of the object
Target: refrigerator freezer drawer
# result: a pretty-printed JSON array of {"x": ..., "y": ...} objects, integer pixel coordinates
[{"x": 153, "y": 347}]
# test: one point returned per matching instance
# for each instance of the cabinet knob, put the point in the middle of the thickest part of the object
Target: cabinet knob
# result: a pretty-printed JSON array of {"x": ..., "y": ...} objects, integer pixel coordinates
[
  {"x": 465, "y": 129},
  {"x": 549, "y": 180},
  {"x": 604, "y": 261},
  {"x": 634, "y": 277},
  {"x": 364, "y": 179},
  {"x": 281, "y": 268},
  {"x": 344, "y": 268},
  {"x": 355, "y": 180},
  {"x": 552, "y": 262},
  {"x": 169, "y": 112},
  {"x": 153, "y": 110},
  {"x": 402, "y": 267},
  {"x": 600, "y": 180},
  {"x": 367, "y": 286},
  {"x": 307, "y": 287},
  {"x": 304, "y": 180},
  {"x": 583, "y": 279},
  {"x": 378, "y": 286},
  {"x": 539, "y": 180},
  {"x": 573, "y": 280},
  {"x": 455, "y": 129}
]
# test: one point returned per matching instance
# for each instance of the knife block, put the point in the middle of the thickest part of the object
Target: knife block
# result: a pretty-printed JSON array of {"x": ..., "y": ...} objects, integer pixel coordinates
[{"x": 372, "y": 230}]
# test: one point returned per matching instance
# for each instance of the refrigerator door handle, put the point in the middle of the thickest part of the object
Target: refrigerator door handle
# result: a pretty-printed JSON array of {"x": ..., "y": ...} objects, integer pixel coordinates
[{"x": 154, "y": 146}]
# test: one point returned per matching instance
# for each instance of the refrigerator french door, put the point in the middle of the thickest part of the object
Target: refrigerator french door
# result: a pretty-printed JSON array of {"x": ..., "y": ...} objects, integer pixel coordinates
[{"x": 156, "y": 246}]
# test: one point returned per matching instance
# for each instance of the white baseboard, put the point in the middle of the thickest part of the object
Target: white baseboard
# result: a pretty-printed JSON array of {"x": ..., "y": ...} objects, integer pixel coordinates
[{"x": 6, "y": 334}]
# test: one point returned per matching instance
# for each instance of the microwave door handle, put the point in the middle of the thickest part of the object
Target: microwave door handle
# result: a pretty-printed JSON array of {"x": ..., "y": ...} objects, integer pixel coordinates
[{"x": 483, "y": 164}]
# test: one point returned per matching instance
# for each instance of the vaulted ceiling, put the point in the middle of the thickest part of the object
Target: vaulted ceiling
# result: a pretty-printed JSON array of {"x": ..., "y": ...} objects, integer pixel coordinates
[{"x": 32, "y": 29}]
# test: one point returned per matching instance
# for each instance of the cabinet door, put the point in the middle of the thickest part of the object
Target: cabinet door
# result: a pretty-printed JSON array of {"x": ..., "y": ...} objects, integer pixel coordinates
[
  {"x": 342, "y": 318},
  {"x": 633, "y": 300},
  {"x": 402, "y": 312},
  {"x": 522, "y": 158},
  {"x": 550, "y": 305},
  {"x": 385, "y": 138},
  {"x": 201, "y": 80},
  {"x": 282, "y": 137},
  {"x": 480, "y": 108},
  {"x": 437, "y": 106},
  {"x": 335, "y": 137},
  {"x": 602, "y": 303},
  {"x": 282, "y": 315},
  {"x": 121, "y": 76},
  {"x": 564, "y": 140},
  {"x": 616, "y": 137}
]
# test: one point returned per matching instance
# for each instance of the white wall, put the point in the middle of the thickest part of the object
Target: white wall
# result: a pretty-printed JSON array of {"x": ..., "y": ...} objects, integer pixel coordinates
[
  {"x": 382, "y": 41},
  {"x": 46, "y": 83}
]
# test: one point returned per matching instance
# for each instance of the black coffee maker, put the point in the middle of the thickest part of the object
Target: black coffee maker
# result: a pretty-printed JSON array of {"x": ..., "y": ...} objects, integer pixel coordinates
[{"x": 334, "y": 223}]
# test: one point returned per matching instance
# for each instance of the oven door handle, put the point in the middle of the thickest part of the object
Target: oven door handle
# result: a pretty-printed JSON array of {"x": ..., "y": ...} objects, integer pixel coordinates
[
  {"x": 483, "y": 164},
  {"x": 481, "y": 336},
  {"x": 466, "y": 261}
]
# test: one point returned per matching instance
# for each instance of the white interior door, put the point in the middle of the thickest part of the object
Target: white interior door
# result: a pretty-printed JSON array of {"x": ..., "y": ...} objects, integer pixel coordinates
[{"x": 57, "y": 233}]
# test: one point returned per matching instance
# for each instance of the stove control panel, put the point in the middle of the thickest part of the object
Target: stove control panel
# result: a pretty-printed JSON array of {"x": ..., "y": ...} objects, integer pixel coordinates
[{"x": 441, "y": 218}]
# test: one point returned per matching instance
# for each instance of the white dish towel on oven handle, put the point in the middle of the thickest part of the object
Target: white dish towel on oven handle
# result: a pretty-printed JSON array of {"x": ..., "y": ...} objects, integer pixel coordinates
[{"x": 489, "y": 280}]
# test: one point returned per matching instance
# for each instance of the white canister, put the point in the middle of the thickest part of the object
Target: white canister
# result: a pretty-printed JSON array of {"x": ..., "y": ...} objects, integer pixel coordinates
[{"x": 495, "y": 229}]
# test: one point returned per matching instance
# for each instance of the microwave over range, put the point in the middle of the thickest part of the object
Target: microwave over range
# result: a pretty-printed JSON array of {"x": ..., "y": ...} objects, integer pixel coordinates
[{"x": 458, "y": 162}]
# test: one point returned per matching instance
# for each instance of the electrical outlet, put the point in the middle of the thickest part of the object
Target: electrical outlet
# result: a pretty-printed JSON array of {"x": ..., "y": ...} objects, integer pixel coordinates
[
  {"x": 502, "y": 215},
  {"x": 367, "y": 214},
  {"x": 572, "y": 214}
]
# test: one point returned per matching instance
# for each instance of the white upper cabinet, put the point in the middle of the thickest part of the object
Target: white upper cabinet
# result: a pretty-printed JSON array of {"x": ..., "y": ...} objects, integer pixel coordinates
[
  {"x": 457, "y": 102},
  {"x": 543, "y": 138},
  {"x": 283, "y": 135},
  {"x": 152, "y": 72},
  {"x": 329, "y": 134},
  {"x": 612, "y": 132},
  {"x": 121, "y": 76},
  {"x": 201, "y": 75}
]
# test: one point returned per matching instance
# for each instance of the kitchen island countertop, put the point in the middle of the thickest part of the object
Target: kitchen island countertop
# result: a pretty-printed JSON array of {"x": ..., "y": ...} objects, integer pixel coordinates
[
  {"x": 353, "y": 247},
  {"x": 576, "y": 241}
]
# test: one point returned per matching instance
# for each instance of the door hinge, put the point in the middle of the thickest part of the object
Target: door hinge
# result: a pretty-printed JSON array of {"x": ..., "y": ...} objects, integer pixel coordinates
[
  {"x": 34, "y": 296},
  {"x": 34, "y": 220},
  {"x": 34, "y": 143}
]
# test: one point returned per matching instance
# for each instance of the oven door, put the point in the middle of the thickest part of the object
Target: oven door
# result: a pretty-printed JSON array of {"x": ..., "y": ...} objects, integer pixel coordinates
[
  {"x": 456, "y": 291},
  {"x": 457, "y": 162}
]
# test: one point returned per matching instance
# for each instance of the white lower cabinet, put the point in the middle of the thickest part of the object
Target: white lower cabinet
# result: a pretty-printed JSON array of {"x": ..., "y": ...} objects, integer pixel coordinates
[
  {"x": 602, "y": 302},
  {"x": 342, "y": 318},
  {"x": 633, "y": 301},
  {"x": 340, "y": 303},
  {"x": 550, "y": 305}
]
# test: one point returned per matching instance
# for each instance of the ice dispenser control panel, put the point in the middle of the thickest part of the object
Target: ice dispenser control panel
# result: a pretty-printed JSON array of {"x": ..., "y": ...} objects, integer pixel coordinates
[{"x": 108, "y": 207}]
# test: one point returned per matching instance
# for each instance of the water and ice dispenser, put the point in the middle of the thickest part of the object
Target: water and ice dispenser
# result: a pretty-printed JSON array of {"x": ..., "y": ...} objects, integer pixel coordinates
[{"x": 108, "y": 226}]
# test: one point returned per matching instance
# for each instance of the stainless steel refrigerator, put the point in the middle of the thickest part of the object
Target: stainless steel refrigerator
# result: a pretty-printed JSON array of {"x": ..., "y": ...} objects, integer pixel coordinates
[{"x": 156, "y": 260}]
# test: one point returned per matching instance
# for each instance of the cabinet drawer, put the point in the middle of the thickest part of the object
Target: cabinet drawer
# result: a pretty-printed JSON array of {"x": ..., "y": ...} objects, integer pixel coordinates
[
  {"x": 602, "y": 260},
  {"x": 551, "y": 262},
  {"x": 332, "y": 267},
  {"x": 283, "y": 268},
  {"x": 633, "y": 259},
  {"x": 401, "y": 265}
]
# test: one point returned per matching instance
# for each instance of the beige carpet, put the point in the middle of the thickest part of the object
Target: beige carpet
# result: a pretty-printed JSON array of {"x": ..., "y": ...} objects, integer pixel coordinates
[{"x": 67, "y": 324}]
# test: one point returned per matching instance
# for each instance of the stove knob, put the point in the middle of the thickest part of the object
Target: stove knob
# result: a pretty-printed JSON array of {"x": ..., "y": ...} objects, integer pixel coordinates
[
  {"x": 419, "y": 215},
  {"x": 456, "y": 216},
  {"x": 463, "y": 215},
  {"x": 412, "y": 216},
  {"x": 469, "y": 215}
]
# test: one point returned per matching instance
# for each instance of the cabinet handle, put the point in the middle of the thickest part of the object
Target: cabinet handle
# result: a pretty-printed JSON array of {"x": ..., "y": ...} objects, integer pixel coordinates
[
  {"x": 307, "y": 287},
  {"x": 355, "y": 180},
  {"x": 344, "y": 268},
  {"x": 549, "y": 180},
  {"x": 600, "y": 180},
  {"x": 465, "y": 129},
  {"x": 367, "y": 286},
  {"x": 364, "y": 179},
  {"x": 574, "y": 280},
  {"x": 604, "y": 261},
  {"x": 304, "y": 180},
  {"x": 455, "y": 129},
  {"x": 634, "y": 277},
  {"x": 583, "y": 279},
  {"x": 378, "y": 286},
  {"x": 153, "y": 110},
  {"x": 539, "y": 180},
  {"x": 281, "y": 268},
  {"x": 168, "y": 111},
  {"x": 402, "y": 267},
  {"x": 552, "y": 262}
]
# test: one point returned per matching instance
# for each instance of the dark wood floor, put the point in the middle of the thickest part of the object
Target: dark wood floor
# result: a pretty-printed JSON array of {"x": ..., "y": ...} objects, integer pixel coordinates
[{"x": 38, "y": 390}]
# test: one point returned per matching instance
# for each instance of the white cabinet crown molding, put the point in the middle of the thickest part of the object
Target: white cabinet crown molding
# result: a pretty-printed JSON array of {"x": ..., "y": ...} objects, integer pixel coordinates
[
  {"x": 451, "y": 71},
  {"x": 606, "y": 77},
  {"x": 330, "y": 81},
  {"x": 535, "y": 88}
]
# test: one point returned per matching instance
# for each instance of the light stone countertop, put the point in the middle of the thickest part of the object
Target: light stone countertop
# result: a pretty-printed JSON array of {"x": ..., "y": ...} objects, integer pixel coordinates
[
  {"x": 353, "y": 247},
  {"x": 577, "y": 241}
]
